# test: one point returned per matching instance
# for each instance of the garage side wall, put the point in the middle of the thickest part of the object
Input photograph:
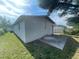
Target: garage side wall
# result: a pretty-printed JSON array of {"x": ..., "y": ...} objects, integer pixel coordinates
[
  {"x": 37, "y": 27},
  {"x": 49, "y": 27},
  {"x": 19, "y": 30}
]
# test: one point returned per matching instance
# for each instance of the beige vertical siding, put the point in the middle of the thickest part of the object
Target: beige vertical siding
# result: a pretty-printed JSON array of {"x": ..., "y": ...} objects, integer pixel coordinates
[
  {"x": 58, "y": 29},
  {"x": 37, "y": 27},
  {"x": 19, "y": 29},
  {"x": 33, "y": 28},
  {"x": 22, "y": 31}
]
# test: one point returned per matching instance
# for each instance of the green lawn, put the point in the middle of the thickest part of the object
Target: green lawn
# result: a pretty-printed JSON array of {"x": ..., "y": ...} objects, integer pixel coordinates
[
  {"x": 43, "y": 51},
  {"x": 12, "y": 48}
]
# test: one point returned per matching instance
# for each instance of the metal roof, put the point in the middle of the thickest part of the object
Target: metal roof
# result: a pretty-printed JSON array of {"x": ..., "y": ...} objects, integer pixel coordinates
[{"x": 25, "y": 16}]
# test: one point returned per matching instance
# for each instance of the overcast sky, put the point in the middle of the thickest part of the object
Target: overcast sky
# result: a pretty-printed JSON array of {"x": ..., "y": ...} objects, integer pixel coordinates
[{"x": 12, "y": 9}]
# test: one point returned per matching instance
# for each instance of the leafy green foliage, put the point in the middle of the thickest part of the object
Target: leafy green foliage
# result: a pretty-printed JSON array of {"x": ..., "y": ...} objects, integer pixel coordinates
[
  {"x": 72, "y": 32},
  {"x": 73, "y": 21}
]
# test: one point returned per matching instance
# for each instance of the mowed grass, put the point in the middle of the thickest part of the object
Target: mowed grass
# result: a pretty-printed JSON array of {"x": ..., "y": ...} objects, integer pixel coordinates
[
  {"x": 76, "y": 55},
  {"x": 43, "y": 51},
  {"x": 12, "y": 48}
]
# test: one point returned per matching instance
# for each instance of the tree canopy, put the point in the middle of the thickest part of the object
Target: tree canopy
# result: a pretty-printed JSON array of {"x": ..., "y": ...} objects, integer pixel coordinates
[
  {"x": 4, "y": 24},
  {"x": 70, "y": 7},
  {"x": 66, "y": 5},
  {"x": 73, "y": 21}
]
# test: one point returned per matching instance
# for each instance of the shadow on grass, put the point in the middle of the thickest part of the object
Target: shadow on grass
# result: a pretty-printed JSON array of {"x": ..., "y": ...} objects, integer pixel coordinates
[{"x": 40, "y": 50}]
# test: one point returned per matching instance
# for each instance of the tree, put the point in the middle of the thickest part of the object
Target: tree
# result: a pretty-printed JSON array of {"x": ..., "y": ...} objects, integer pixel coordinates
[
  {"x": 73, "y": 21},
  {"x": 48, "y": 4},
  {"x": 65, "y": 5},
  {"x": 4, "y": 24}
]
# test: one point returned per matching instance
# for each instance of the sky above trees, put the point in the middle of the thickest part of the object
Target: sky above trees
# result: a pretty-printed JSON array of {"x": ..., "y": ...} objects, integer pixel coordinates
[{"x": 12, "y": 9}]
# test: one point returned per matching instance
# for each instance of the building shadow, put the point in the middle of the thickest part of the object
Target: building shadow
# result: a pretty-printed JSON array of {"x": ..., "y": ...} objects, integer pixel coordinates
[{"x": 41, "y": 50}]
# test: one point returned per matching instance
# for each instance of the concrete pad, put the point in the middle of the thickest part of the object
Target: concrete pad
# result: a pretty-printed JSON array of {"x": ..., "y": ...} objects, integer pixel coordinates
[{"x": 58, "y": 42}]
